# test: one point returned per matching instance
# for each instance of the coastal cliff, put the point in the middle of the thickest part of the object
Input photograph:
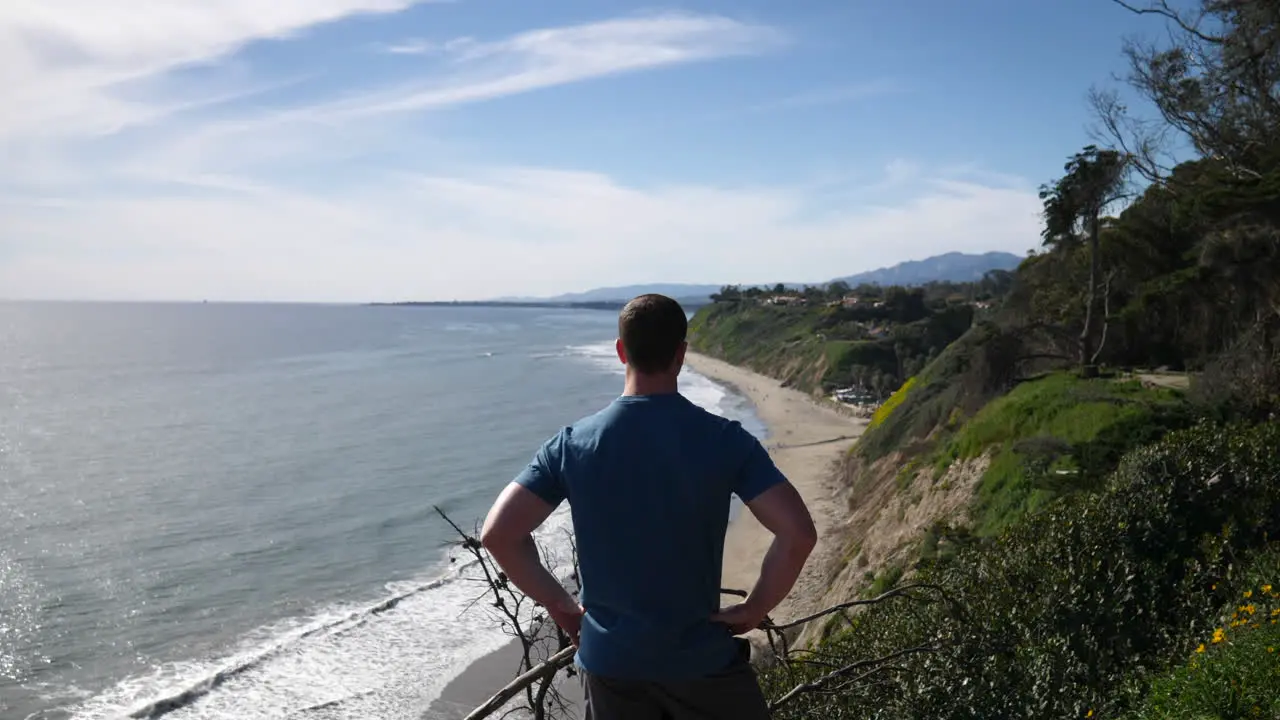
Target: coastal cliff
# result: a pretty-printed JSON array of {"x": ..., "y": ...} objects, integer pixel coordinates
[{"x": 1079, "y": 490}]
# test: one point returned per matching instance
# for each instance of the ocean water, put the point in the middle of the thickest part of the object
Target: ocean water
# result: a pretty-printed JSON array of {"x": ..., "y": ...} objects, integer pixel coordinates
[{"x": 225, "y": 511}]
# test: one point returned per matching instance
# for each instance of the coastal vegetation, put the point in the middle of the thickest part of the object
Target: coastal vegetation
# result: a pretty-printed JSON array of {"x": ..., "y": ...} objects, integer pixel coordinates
[
  {"x": 1116, "y": 407},
  {"x": 821, "y": 338},
  {"x": 1089, "y": 607}
]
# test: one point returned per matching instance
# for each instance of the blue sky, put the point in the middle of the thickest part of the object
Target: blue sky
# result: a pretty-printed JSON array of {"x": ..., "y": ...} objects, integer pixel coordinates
[{"x": 351, "y": 150}]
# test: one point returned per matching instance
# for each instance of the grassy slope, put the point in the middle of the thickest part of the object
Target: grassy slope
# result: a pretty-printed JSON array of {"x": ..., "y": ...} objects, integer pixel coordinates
[
  {"x": 820, "y": 348},
  {"x": 779, "y": 341},
  {"x": 1054, "y": 435}
]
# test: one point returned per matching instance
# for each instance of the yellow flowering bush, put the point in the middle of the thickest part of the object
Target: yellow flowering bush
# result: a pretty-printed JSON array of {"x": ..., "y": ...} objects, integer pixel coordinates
[{"x": 1234, "y": 673}]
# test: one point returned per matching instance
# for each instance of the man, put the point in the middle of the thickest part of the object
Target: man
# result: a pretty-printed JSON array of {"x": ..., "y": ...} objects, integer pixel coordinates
[{"x": 648, "y": 480}]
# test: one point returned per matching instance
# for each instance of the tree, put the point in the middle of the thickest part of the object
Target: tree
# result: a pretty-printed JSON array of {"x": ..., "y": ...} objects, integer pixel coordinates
[
  {"x": 995, "y": 284},
  {"x": 728, "y": 293},
  {"x": 1095, "y": 179},
  {"x": 1216, "y": 84}
]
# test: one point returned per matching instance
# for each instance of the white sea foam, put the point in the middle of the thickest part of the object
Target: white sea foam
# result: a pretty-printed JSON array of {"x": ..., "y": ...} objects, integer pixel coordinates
[
  {"x": 387, "y": 659},
  {"x": 701, "y": 391}
]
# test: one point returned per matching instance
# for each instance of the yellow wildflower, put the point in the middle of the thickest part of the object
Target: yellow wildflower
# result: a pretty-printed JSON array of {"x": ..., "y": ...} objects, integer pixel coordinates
[
  {"x": 1248, "y": 594},
  {"x": 1249, "y": 608},
  {"x": 1219, "y": 635},
  {"x": 1089, "y": 714},
  {"x": 1275, "y": 612},
  {"x": 1201, "y": 648},
  {"x": 1270, "y": 649},
  {"x": 1266, "y": 588}
]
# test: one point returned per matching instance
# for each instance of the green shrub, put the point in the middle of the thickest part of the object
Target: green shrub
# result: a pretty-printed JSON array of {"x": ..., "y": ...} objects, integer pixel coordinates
[
  {"x": 1078, "y": 606},
  {"x": 885, "y": 580},
  {"x": 1234, "y": 673}
]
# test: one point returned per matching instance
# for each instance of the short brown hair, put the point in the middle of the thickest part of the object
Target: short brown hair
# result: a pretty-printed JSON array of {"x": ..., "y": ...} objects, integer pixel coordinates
[{"x": 651, "y": 328}]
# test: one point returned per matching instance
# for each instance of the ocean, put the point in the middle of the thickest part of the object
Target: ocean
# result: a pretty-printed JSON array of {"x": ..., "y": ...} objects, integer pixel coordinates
[{"x": 226, "y": 511}]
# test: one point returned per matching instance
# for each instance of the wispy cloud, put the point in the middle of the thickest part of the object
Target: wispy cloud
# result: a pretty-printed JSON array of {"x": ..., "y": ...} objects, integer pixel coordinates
[
  {"x": 221, "y": 198},
  {"x": 466, "y": 71},
  {"x": 62, "y": 67},
  {"x": 411, "y": 47},
  {"x": 556, "y": 56}
]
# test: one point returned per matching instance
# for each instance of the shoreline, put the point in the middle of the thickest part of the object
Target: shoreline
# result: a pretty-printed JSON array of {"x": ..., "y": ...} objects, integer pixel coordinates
[{"x": 806, "y": 440}]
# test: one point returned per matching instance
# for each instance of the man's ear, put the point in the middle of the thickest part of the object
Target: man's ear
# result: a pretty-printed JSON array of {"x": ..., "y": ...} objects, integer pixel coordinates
[
  {"x": 622, "y": 351},
  {"x": 680, "y": 353}
]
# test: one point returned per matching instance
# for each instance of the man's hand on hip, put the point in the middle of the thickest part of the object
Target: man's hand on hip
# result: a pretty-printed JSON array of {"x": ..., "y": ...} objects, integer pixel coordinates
[
  {"x": 570, "y": 620},
  {"x": 741, "y": 618}
]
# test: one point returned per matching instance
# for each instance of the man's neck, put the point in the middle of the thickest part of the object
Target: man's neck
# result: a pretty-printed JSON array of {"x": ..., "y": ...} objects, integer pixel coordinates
[{"x": 638, "y": 384}]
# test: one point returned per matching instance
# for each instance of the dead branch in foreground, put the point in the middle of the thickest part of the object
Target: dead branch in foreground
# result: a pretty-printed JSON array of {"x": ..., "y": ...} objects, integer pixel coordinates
[
  {"x": 878, "y": 665},
  {"x": 540, "y": 665},
  {"x": 544, "y": 648},
  {"x": 517, "y": 686}
]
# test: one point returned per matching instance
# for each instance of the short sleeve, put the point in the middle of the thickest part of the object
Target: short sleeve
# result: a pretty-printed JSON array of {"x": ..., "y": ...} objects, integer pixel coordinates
[
  {"x": 542, "y": 475},
  {"x": 757, "y": 471}
]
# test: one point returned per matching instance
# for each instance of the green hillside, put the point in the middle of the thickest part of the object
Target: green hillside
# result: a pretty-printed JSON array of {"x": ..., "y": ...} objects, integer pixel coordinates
[{"x": 1108, "y": 431}]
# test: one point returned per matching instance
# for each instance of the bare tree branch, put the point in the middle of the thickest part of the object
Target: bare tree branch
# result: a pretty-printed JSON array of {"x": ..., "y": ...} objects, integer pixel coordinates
[
  {"x": 822, "y": 682},
  {"x": 521, "y": 683},
  {"x": 1162, "y": 9},
  {"x": 903, "y": 591}
]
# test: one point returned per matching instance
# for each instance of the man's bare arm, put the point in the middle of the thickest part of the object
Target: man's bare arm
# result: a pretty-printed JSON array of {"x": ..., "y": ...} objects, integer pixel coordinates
[
  {"x": 782, "y": 511},
  {"x": 508, "y": 536}
]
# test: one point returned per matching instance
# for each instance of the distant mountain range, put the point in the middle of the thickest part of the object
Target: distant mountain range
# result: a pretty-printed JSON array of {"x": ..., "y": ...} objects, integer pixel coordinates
[
  {"x": 949, "y": 267},
  {"x": 679, "y": 291}
]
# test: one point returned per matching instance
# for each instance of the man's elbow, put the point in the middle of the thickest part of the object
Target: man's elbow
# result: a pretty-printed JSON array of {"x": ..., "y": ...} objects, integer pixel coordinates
[
  {"x": 494, "y": 538},
  {"x": 806, "y": 537},
  {"x": 501, "y": 541},
  {"x": 800, "y": 538}
]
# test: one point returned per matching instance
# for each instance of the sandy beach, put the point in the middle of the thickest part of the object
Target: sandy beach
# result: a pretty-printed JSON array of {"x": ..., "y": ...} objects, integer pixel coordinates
[{"x": 806, "y": 440}]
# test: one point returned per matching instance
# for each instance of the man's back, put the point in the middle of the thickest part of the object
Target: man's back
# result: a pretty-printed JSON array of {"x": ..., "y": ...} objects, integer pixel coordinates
[{"x": 649, "y": 480}]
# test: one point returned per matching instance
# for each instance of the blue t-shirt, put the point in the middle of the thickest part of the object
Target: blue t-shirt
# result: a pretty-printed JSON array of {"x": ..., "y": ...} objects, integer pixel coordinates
[{"x": 648, "y": 480}]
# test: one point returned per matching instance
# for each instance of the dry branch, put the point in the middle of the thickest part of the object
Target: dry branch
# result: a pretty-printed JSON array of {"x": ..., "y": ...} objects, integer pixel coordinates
[
  {"x": 544, "y": 671},
  {"x": 903, "y": 591},
  {"x": 822, "y": 682}
]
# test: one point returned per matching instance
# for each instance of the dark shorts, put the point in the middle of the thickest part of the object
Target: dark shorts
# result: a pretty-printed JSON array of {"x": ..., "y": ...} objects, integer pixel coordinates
[{"x": 731, "y": 694}]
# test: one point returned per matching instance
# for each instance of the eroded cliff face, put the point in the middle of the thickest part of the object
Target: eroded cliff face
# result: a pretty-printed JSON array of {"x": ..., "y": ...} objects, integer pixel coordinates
[{"x": 892, "y": 505}]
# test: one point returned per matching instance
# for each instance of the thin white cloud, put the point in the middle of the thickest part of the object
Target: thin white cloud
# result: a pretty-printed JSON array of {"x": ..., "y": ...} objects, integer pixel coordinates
[
  {"x": 422, "y": 46},
  {"x": 470, "y": 71},
  {"x": 62, "y": 64},
  {"x": 557, "y": 56},
  {"x": 412, "y": 47}
]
